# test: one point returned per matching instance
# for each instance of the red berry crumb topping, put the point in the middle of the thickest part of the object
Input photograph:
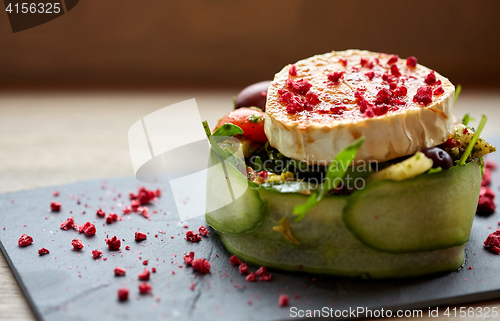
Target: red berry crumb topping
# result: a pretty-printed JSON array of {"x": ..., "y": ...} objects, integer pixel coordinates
[
  {"x": 77, "y": 245},
  {"x": 201, "y": 265},
  {"x": 145, "y": 288},
  {"x": 370, "y": 75},
  {"x": 343, "y": 62},
  {"x": 251, "y": 277},
  {"x": 312, "y": 98},
  {"x": 139, "y": 236},
  {"x": 431, "y": 79},
  {"x": 234, "y": 260},
  {"x": 112, "y": 217},
  {"x": 395, "y": 71},
  {"x": 411, "y": 62},
  {"x": 243, "y": 268},
  {"x": 43, "y": 251},
  {"x": 486, "y": 204},
  {"x": 189, "y": 258},
  {"x": 263, "y": 274},
  {"x": 192, "y": 237},
  {"x": 145, "y": 196},
  {"x": 283, "y": 300},
  {"x": 144, "y": 275},
  {"x": 492, "y": 242},
  {"x": 299, "y": 87},
  {"x": 336, "y": 76},
  {"x": 113, "y": 243},
  {"x": 55, "y": 206},
  {"x": 87, "y": 228},
  {"x": 423, "y": 96},
  {"x": 203, "y": 231},
  {"x": 25, "y": 240},
  {"x": 393, "y": 59},
  {"x": 363, "y": 62},
  {"x": 292, "y": 71},
  {"x": 96, "y": 254},
  {"x": 400, "y": 91},
  {"x": 123, "y": 294},
  {"x": 120, "y": 271},
  {"x": 100, "y": 213},
  {"x": 68, "y": 224},
  {"x": 438, "y": 91}
]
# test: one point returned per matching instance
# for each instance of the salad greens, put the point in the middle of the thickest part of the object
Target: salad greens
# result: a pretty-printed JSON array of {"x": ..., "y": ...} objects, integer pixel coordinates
[
  {"x": 473, "y": 141},
  {"x": 335, "y": 172},
  {"x": 457, "y": 93},
  {"x": 467, "y": 118}
]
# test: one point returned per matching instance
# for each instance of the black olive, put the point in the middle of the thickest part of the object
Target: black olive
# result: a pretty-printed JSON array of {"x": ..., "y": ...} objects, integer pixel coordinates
[
  {"x": 253, "y": 96},
  {"x": 439, "y": 157}
]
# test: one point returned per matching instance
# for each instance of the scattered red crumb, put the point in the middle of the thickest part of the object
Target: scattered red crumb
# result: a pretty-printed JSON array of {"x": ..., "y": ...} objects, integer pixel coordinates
[
  {"x": 423, "y": 96},
  {"x": 153, "y": 270},
  {"x": 336, "y": 76},
  {"x": 144, "y": 275},
  {"x": 112, "y": 217},
  {"x": 139, "y": 236},
  {"x": 438, "y": 91},
  {"x": 263, "y": 274},
  {"x": 343, "y": 62},
  {"x": 393, "y": 59},
  {"x": 127, "y": 210},
  {"x": 192, "y": 237},
  {"x": 411, "y": 62},
  {"x": 134, "y": 205},
  {"x": 299, "y": 87},
  {"x": 68, "y": 224},
  {"x": 189, "y": 258},
  {"x": 234, "y": 260},
  {"x": 312, "y": 99},
  {"x": 87, "y": 228},
  {"x": 203, "y": 230},
  {"x": 145, "y": 196},
  {"x": 113, "y": 243},
  {"x": 120, "y": 271},
  {"x": 492, "y": 242},
  {"x": 395, "y": 70},
  {"x": 363, "y": 62},
  {"x": 384, "y": 96},
  {"x": 56, "y": 194},
  {"x": 370, "y": 75},
  {"x": 201, "y": 265},
  {"x": 251, "y": 277},
  {"x": 401, "y": 91},
  {"x": 43, "y": 251},
  {"x": 123, "y": 294},
  {"x": 127, "y": 247},
  {"x": 263, "y": 174},
  {"x": 145, "y": 288},
  {"x": 243, "y": 268},
  {"x": 192, "y": 286},
  {"x": 25, "y": 240},
  {"x": 292, "y": 71},
  {"x": 55, "y": 206},
  {"x": 100, "y": 213},
  {"x": 486, "y": 203},
  {"x": 283, "y": 300},
  {"x": 77, "y": 244},
  {"x": 145, "y": 262},
  {"x": 249, "y": 302},
  {"x": 96, "y": 254},
  {"x": 431, "y": 79}
]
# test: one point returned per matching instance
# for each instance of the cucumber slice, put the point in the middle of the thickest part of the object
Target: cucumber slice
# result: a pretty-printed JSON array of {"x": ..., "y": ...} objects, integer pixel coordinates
[
  {"x": 227, "y": 185},
  {"x": 428, "y": 212}
]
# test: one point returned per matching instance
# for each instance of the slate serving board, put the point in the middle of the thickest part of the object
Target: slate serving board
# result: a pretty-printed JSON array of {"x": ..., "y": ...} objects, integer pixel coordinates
[{"x": 69, "y": 284}]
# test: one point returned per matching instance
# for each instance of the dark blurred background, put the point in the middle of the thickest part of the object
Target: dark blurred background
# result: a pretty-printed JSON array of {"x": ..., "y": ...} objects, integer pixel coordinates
[{"x": 155, "y": 44}]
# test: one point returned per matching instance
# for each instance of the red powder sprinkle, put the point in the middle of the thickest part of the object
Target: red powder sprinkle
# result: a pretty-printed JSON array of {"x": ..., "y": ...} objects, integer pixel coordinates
[
  {"x": 438, "y": 91},
  {"x": 243, "y": 268},
  {"x": 153, "y": 270},
  {"x": 234, "y": 260},
  {"x": 450, "y": 143},
  {"x": 134, "y": 205},
  {"x": 292, "y": 71},
  {"x": 431, "y": 79},
  {"x": 490, "y": 165},
  {"x": 343, "y": 62},
  {"x": 363, "y": 62},
  {"x": 120, "y": 271},
  {"x": 251, "y": 277},
  {"x": 144, "y": 275},
  {"x": 144, "y": 196},
  {"x": 263, "y": 274},
  {"x": 96, "y": 254},
  {"x": 112, "y": 217},
  {"x": 56, "y": 194},
  {"x": 370, "y": 75},
  {"x": 400, "y": 91},
  {"x": 383, "y": 97},
  {"x": 201, "y": 265},
  {"x": 100, "y": 213},
  {"x": 283, "y": 300},
  {"x": 393, "y": 59},
  {"x": 127, "y": 247},
  {"x": 55, "y": 207},
  {"x": 68, "y": 224},
  {"x": 139, "y": 236},
  {"x": 145, "y": 288},
  {"x": 77, "y": 244},
  {"x": 113, "y": 243},
  {"x": 492, "y": 242},
  {"x": 87, "y": 228},
  {"x": 126, "y": 210},
  {"x": 423, "y": 96},
  {"x": 145, "y": 262},
  {"x": 192, "y": 237},
  {"x": 43, "y": 251},
  {"x": 395, "y": 71},
  {"x": 486, "y": 203},
  {"x": 189, "y": 258},
  {"x": 336, "y": 76},
  {"x": 389, "y": 78},
  {"x": 411, "y": 62},
  {"x": 203, "y": 230},
  {"x": 123, "y": 294},
  {"x": 299, "y": 87},
  {"x": 192, "y": 286},
  {"x": 312, "y": 98}
]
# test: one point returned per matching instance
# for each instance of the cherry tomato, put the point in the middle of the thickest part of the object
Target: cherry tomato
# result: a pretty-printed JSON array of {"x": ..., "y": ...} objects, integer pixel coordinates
[
  {"x": 253, "y": 96},
  {"x": 251, "y": 120}
]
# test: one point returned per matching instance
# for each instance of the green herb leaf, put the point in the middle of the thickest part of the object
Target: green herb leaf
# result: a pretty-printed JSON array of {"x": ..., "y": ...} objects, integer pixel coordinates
[
  {"x": 259, "y": 164},
  {"x": 335, "y": 172},
  {"x": 434, "y": 170},
  {"x": 473, "y": 141},
  {"x": 467, "y": 118},
  {"x": 254, "y": 118},
  {"x": 229, "y": 130},
  {"x": 458, "y": 90}
]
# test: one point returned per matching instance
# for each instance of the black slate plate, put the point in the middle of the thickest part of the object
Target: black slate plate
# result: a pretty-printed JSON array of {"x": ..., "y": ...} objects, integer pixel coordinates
[{"x": 68, "y": 284}]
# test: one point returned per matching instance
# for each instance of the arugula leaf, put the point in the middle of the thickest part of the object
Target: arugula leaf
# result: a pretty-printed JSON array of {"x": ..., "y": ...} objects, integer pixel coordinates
[
  {"x": 473, "y": 141},
  {"x": 335, "y": 172},
  {"x": 221, "y": 133},
  {"x": 259, "y": 163},
  {"x": 467, "y": 118},
  {"x": 228, "y": 130},
  {"x": 457, "y": 92}
]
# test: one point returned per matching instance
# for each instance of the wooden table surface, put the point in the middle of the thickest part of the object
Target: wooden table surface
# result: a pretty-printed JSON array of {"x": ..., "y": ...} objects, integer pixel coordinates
[{"x": 56, "y": 138}]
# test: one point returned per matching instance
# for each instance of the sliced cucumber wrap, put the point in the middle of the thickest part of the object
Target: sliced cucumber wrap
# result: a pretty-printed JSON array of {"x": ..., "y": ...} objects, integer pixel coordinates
[
  {"x": 428, "y": 212},
  {"x": 326, "y": 244}
]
